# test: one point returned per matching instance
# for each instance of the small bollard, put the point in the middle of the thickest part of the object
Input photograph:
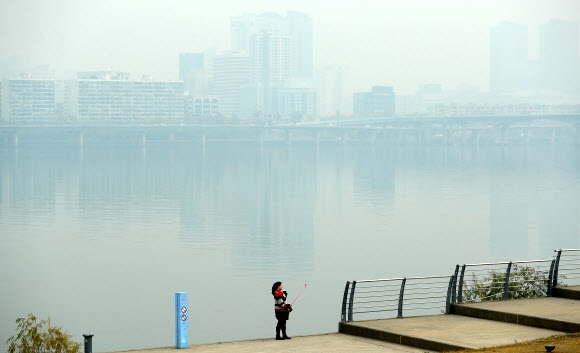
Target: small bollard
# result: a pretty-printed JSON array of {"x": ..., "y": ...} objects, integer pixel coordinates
[
  {"x": 88, "y": 342},
  {"x": 181, "y": 320}
]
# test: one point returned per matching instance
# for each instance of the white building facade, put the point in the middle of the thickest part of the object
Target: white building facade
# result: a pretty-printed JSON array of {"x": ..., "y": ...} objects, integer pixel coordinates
[
  {"x": 117, "y": 98},
  {"x": 27, "y": 99}
]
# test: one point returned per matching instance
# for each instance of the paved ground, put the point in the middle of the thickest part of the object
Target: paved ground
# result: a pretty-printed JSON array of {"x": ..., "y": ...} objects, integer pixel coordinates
[
  {"x": 333, "y": 342},
  {"x": 549, "y": 308},
  {"x": 452, "y": 330},
  {"x": 456, "y": 330}
]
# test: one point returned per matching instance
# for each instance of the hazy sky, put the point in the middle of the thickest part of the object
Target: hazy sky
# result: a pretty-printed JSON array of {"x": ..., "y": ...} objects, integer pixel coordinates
[{"x": 401, "y": 43}]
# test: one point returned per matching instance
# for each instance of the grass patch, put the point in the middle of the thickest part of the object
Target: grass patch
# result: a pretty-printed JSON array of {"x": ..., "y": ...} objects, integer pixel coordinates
[{"x": 569, "y": 343}]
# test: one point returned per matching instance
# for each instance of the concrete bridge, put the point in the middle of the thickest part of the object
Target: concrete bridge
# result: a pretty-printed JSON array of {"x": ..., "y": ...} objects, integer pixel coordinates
[{"x": 521, "y": 129}]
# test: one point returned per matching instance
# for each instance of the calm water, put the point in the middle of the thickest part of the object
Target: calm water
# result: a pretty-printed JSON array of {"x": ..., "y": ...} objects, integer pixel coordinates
[{"x": 100, "y": 239}]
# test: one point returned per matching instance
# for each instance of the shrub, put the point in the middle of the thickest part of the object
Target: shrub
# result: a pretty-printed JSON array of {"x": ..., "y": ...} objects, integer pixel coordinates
[
  {"x": 524, "y": 282},
  {"x": 40, "y": 337}
]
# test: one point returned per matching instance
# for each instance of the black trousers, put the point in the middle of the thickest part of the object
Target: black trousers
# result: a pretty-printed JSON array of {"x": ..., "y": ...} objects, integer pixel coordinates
[{"x": 281, "y": 326}]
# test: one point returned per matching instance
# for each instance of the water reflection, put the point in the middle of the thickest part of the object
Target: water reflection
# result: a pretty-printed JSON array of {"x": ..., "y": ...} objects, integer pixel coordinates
[{"x": 123, "y": 228}]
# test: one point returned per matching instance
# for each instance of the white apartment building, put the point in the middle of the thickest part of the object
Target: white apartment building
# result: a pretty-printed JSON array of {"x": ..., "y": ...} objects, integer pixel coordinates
[
  {"x": 27, "y": 99},
  {"x": 115, "y": 97}
]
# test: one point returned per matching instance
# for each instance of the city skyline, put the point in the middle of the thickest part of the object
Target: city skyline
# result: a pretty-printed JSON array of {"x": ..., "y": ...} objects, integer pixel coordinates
[{"x": 403, "y": 45}]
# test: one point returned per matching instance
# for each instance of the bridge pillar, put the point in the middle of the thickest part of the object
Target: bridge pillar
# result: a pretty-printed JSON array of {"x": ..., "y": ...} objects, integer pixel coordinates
[
  {"x": 553, "y": 138},
  {"x": 502, "y": 134},
  {"x": 15, "y": 140},
  {"x": 171, "y": 137},
  {"x": 525, "y": 133},
  {"x": 81, "y": 140},
  {"x": 445, "y": 133},
  {"x": 143, "y": 140},
  {"x": 289, "y": 137},
  {"x": 427, "y": 134},
  {"x": 203, "y": 140},
  {"x": 374, "y": 138},
  {"x": 344, "y": 138},
  {"x": 318, "y": 138}
]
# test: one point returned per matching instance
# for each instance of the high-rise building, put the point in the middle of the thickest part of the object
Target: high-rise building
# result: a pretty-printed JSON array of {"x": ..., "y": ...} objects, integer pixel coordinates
[
  {"x": 193, "y": 72},
  {"x": 294, "y": 103},
  {"x": 244, "y": 27},
  {"x": 27, "y": 99},
  {"x": 330, "y": 91},
  {"x": 300, "y": 29},
  {"x": 231, "y": 74},
  {"x": 270, "y": 66},
  {"x": 280, "y": 51},
  {"x": 558, "y": 61},
  {"x": 508, "y": 57},
  {"x": 379, "y": 102}
]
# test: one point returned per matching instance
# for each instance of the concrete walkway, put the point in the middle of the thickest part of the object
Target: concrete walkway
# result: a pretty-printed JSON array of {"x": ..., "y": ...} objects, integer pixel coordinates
[
  {"x": 333, "y": 342},
  {"x": 472, "y": 326},
  {"x": 477, "y": 325}
]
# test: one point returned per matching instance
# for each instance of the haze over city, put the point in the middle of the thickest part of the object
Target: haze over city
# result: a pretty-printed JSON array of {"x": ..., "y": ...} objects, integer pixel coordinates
[{"x": 400, "y": 44}]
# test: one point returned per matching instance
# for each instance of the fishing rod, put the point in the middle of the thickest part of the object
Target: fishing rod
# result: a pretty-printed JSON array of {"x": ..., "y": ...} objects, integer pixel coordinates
[{"x": 298, "y": 295}]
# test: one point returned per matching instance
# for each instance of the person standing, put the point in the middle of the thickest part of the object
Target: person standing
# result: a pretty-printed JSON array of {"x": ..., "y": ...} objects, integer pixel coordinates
[{"x": 281, "y": 309}]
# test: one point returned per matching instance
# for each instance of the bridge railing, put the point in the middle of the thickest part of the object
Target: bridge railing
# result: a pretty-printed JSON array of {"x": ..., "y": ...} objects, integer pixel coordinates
[
  {"x": 567, "y": 267},
  {"x": 384, "y": 298}
]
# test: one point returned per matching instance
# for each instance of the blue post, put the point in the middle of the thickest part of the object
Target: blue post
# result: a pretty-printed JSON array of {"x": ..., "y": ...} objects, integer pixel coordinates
[{"x": 181, "y": 320}]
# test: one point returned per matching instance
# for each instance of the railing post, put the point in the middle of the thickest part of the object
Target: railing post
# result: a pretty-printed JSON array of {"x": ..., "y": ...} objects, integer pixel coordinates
[
  {"x": 556, "y": 266},
  {"x": 454, "y": 289},
  {"x": 449, "y": 291},
  {"x": 401, "y": 294},
  {"x": 343, "y": 312},
  {"x": 460, "y": 294},
  {"x": 351, "y": 301},
  {"x": 507, "y": 281},
  {"x": 550, "y": 278}
]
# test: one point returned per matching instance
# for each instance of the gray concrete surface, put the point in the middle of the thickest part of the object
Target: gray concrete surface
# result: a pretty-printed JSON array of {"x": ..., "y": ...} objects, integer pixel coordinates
[
  {"x": 447, "y": 332},
  {"x": 333, "y": 342},
  {"x": 428, "y": 333},
  {"x": 551, "y": 313}
]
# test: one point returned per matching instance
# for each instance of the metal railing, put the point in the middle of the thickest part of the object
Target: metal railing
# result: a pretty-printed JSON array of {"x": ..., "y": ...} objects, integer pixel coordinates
[
  {"x": 420, "y": 295},
  {"x": 373, "y": 299},
  {"x": 504, "y": 280},
  {"x": 567, "y": 267}
]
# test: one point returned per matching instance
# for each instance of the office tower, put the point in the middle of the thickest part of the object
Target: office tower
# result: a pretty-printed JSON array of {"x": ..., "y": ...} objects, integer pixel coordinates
[
  {"x": 558, "y": 59},
  {"x": 27, "y": 99},
  {"x": 281, "y": 57},
  {"x": 379, "y": 102},
  {"x": 244, "y": 27},
  {"x": 270, "y": 65},
  {"x": 300, "y": 29},
  {"x": 330, "y": 91},
  {"x": 231, "y": 73},
  {"x": 295, "y": 103},
  {"x": 508, "y": 57},
  {"x": 193, "y": 73}
]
